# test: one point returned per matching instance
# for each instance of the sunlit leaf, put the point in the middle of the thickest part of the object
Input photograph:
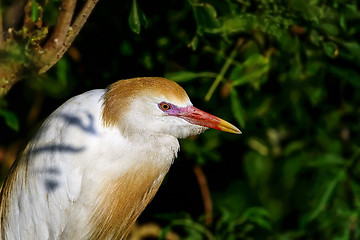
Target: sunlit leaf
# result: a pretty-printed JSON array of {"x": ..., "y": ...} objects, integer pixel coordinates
[
  {"x": 239, "y": 23},
  {"x": 254, "y": 71}
]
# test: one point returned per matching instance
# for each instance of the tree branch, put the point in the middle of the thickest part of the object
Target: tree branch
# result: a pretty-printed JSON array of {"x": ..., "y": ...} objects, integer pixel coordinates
[
  {"x": 205, "y": 193},
  {"x": 49, "y": 56},
  {"x": 44, "y": 57},
  {"x": 62, "y": 25},
  {"x": 71, "y": 33},
  {"x": 79, "y": 23}
]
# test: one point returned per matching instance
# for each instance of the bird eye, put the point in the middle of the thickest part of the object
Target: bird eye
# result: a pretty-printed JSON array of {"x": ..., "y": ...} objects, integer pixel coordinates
[{"x": 164, "y": 106}]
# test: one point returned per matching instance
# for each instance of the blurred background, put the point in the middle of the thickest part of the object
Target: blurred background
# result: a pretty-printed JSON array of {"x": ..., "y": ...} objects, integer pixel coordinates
[{"x": 286, "y": 72}]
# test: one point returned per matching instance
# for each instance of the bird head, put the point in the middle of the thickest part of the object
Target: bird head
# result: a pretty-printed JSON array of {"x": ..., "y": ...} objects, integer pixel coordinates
[{"x": 156, "y": 106}]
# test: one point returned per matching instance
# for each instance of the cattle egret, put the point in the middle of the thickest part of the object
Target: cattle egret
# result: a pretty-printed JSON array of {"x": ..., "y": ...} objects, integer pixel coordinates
[{"x": 97, "y": 161}]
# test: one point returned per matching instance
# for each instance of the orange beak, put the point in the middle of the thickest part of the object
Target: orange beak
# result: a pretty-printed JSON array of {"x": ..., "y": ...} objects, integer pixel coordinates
[{"x": 199, "y": 117}]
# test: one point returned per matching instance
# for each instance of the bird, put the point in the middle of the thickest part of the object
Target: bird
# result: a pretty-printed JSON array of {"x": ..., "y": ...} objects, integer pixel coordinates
[{"x": 98, "y": 160}]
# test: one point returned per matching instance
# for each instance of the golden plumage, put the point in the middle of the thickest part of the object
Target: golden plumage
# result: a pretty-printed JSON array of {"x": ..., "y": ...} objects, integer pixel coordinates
[{"x": 119, "y": 95}]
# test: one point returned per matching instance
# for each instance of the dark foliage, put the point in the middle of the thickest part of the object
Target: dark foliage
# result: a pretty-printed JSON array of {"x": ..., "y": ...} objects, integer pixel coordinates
[{"x": 286, "y": 71}]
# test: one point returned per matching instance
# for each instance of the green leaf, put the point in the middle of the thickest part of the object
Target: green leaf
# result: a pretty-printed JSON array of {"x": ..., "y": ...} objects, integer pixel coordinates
[
  {"x": 147, "y": 61},
  {"x": 353, "y": 48},
  {"x": 292, "y": 147},
  {"x": 326, "y": 160},
  {"x": 34, "y": 11},
  {"x": 330, "y": 29},
  {"x": 185, "y": 76},
  {"x": 237, "y": 108},
  {"x": 206, "y": 18},
  {"x": 346, "y": 74},
  {"x": 325, "y": 196},
  {"x": 11, "y": 119},
  {"x": 254, "y": 71},
  {"x": 313, "y": 68},
  {"x": 194, "y": 43},
  {"x": 242, "y": 23},
  {"x": 315, "y": 37},
  {"x": 182, "y": 76},
  {"x": 194, "y": 229},
  {"x": 330, "y": 49},
  {"x": 137, "y": 18},
  {"x": 258, "y": 215},
  {"x": 303, "y": 6}
]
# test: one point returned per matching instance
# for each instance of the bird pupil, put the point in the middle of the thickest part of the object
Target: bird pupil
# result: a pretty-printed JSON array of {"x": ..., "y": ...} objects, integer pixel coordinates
[{"x": 165, "y": 106}]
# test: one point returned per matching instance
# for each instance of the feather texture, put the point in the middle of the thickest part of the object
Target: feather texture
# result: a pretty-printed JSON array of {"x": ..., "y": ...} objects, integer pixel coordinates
[
  {"x": 126, "y": 90},
  {"x": 78, "y": 172},
  {"x": 97, "y": 161}
]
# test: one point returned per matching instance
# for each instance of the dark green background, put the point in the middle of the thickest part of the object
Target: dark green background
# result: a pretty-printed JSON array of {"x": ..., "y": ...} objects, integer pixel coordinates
[{"x": 289, "y": 79}]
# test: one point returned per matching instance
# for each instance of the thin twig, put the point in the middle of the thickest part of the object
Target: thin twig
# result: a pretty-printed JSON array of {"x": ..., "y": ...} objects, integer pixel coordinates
[
  {"x": 224, "y": 69},
  {"x": 205, "y": 193},
  {"x": 79, "y": 22},
  {"x": 62, "y": 26}
]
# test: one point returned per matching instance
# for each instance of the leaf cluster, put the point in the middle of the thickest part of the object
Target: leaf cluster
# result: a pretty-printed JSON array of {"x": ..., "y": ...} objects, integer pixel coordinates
[
  {"x": 289, "y": 73},
  {"x": 285, "y": 71}
]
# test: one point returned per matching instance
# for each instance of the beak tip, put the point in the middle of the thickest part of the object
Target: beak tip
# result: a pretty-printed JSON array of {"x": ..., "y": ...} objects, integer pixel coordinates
[
  {"x": 228, "y": 127},
  {"x": 236, "y": 131},
  {"x": 199, "y": 117}
]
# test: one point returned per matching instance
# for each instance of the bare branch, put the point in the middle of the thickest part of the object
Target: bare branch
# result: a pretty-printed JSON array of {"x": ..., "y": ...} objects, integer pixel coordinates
[
  {"x": 71, "y": 34},
  {"x": 49, "y": 56},
  {"x": 62, "y": 25},
  {"x": 79, "y": 22},
  {"x": 61, "y": 38}
]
